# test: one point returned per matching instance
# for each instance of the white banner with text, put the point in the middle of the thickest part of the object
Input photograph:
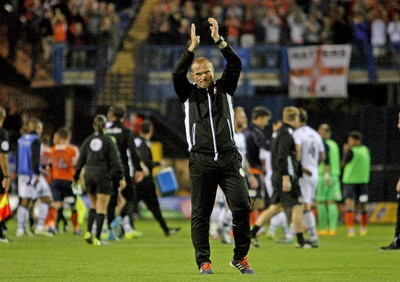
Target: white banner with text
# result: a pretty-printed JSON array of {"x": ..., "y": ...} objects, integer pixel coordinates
[{"x": 319, "y": 71}]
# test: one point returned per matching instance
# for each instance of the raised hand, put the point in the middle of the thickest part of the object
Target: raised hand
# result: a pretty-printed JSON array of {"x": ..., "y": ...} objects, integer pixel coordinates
[
  {"x": 194, "y": 39},
  {"x": 214, "y": 28}
]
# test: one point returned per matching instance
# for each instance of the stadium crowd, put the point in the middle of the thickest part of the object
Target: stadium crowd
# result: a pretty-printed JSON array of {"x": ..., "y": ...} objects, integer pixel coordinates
[
  {"x": 73, "y": 23},
  {"x": 289, "y": 22}
]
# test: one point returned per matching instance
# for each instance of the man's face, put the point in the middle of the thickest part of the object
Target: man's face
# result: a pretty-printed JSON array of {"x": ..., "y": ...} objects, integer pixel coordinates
[
  {"x": 240, "y": 120},
  {"x": 264, "y": 121},
  {"x": 352, "y": 141},
  {"x": 203, "y": 74},
  {"x": 323, "y": 133}
]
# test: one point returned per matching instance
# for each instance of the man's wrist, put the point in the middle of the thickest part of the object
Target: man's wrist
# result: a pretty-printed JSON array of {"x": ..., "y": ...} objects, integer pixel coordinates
[
  {"x": 6, "y": 176},
  {"x": 219, "y": 40}
]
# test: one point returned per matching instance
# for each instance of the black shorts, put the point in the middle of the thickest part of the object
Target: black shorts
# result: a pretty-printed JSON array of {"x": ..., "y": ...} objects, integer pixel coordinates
[
  {"x": 96, "y": 186},
  {"x": 356, "y": 192},
  {"x": 286, "y": 199},
  {"x": 62, "y": 190}
]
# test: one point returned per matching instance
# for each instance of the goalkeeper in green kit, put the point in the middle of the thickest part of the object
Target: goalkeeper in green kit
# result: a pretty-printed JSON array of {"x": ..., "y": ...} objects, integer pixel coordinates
[{"x": 328, "y": 190}]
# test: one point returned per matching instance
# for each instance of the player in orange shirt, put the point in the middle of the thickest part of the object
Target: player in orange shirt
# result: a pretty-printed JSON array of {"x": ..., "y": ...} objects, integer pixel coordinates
[{"x": 63, "y": 157}]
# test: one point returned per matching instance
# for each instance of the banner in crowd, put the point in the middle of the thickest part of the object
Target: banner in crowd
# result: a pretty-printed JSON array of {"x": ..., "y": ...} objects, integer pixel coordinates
[{"x": 319, "y": 71}]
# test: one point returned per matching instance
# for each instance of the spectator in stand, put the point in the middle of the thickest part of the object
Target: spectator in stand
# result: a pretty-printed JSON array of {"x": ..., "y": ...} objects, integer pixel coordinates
[
  {"x": 76, "y": 39},
  {"x": 62, "y": 5},
  {"x": 321, "y": 6},
  {"x": 60, "y": 28},
  {"x": 108, "y": 37},
  {"x": 393, "y": 7},
  {"x": 248, "y": 29},
  {"x": 174, "y": 20},
  {"x": 361, "y": 30},
  {"x": 272, "y": 24},
  {"x": 326, "y": 32},
  {"x": 184, "y": 30},
  {"x": 297, "y": 22},
  {"x": 155, "y": 21},
  {"x": 235, "y": 9},
  {"x": 341, "y": 28},
  {"x": 313, "y": 29},
  {"x": 393, "y": 30},
  {"x": 164, "y": 33},
  {"x": 188, "y": 11},
  {"x": 378, "y": 31},
  {"x": 93, "y": 24},
  {"x": 217, "y": 13},
  {"x": 232, "y": 25},
  {"x": 110, "y": 12},
  {"x": 76, "y": 16},
  {"x": 46, "y": 34}
]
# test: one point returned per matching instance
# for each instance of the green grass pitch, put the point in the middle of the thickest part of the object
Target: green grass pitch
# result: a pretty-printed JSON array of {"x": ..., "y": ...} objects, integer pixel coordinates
[{"x": 155, "y": 257}]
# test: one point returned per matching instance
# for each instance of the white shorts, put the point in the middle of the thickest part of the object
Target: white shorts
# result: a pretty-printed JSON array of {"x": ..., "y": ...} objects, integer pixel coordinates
[
  {"x": 308, "y": 186},
  {"x": 25, "y": 190}
]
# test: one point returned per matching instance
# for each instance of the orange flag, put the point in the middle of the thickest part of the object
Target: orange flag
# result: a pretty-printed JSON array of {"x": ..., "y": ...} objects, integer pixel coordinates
[{"x": 5, "y": 210}]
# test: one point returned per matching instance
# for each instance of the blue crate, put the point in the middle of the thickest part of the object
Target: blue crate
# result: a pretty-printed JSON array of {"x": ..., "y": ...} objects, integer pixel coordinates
[{"x": 166, "y": 181}]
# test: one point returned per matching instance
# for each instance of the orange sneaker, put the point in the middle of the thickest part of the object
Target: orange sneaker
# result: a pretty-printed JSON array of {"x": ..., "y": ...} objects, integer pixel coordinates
[
  {"x": 351, "y": 233},
  {"x": 241, "y": 265},
  {"x": 205, "y": 268}
]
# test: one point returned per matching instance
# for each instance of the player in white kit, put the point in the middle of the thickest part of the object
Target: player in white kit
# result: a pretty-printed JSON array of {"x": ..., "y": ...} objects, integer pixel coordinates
[{"x": 311, "y": 151}]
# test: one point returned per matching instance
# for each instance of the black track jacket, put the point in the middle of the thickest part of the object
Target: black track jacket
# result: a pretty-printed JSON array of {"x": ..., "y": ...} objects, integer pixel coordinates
[
  {"x": 283, "y": 152},
  {"x": 208, "y": 133}
]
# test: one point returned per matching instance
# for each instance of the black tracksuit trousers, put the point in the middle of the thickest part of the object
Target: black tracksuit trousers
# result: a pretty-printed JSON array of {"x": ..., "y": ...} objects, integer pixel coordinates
[
  {"x": 146, "y": 192},
  {"x": 205, "y": 176}
]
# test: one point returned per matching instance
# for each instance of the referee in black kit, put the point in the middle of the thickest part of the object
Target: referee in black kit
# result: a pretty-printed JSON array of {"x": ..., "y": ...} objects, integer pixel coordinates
[
  {"x": 100, "y": 155},
  {"x": 214, "y": 158}
]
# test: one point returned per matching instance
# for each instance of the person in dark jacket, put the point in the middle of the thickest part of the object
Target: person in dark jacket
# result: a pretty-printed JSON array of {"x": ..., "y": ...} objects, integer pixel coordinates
[
  {"x": 395, "y": 244},
  {"x": 285, "y": 167},
  {"x": 100, "y": 157},
  {"x": 256, "y": 140},
  {"x": 146, "y": 190},
  {"x": 214, "y": 158},
  {"x": 125, "y": 142}
]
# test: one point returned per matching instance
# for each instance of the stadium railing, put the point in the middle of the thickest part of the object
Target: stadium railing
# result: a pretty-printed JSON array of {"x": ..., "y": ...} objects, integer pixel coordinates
[{"x": 262, "y": 65}]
